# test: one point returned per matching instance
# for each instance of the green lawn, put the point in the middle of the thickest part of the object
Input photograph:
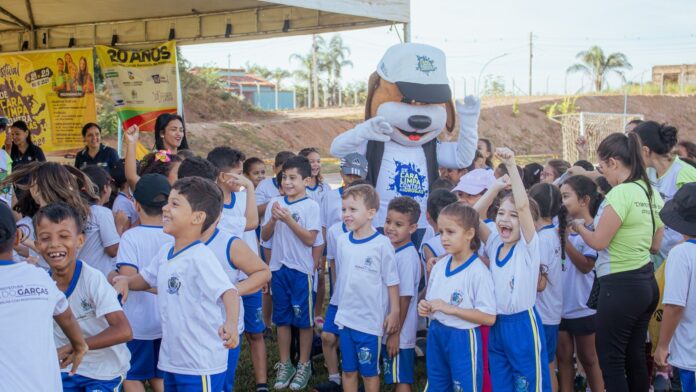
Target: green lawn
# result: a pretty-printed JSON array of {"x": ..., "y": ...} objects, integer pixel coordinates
[{"x": 245, "y": 373}]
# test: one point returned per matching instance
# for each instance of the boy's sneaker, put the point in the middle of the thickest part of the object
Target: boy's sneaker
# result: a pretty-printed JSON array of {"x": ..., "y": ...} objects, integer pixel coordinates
[
  {"x": 285, "y": 373},
  {"x": 302, "y": 376}
]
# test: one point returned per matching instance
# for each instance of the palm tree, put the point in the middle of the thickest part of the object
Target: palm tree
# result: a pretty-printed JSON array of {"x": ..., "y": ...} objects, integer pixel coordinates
[
  {"x": 334, "y": 57},
  {"x": 596, "y": 66},
  {"x": 277, "y": 76}
]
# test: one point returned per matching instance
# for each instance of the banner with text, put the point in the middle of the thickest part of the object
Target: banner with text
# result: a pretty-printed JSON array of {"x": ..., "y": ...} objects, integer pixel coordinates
[
  {"x": 52, "y": 91},
  {"x": 143, "y": 82}
]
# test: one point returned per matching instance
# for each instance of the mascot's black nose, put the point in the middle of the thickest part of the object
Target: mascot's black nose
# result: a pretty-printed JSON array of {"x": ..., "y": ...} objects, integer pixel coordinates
[{"x": 419, "y": 121}]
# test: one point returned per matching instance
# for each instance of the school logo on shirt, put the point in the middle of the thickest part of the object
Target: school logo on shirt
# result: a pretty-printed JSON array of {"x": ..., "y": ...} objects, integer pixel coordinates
[
  {"x": 367, "y": 265},
  {"x": 296, "y": 217},
  {"x": 173, "y": 284},
  {"x": 408, "y": 180},
  {"x": 512, "y": 284},
  {"x": 456, "y": 298},
  {"x": 365, "y": 356},
  {"x": 85, "y": 305}
]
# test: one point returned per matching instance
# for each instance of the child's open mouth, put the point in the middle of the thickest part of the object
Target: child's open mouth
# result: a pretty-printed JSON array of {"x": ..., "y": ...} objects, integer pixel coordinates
[{"x": 56, "y": 256}]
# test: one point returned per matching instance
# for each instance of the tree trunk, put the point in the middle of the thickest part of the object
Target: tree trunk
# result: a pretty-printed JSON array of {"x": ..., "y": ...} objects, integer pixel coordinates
[
  {"x": 315, "y": 83},
  {"x": 598, "y": 84}
]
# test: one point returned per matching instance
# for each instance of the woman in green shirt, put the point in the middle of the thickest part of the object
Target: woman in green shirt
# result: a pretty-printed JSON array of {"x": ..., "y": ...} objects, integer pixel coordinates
[{"x": 627, "y": 230}]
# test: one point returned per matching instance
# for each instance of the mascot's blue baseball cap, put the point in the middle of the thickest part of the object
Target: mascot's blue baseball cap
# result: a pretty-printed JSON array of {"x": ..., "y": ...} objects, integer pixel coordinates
[{"x": 418, "y": 70}]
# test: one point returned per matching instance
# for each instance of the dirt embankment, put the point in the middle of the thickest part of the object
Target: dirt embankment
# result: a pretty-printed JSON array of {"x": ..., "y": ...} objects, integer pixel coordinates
[{"x": 529, "y": 131}]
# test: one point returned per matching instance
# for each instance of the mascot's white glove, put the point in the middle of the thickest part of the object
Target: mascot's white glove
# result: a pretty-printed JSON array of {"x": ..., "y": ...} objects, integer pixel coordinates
[
  {"x": 355, "y": 140},
  {"x": 376, "y": 128},
  {"x": 461, "y": 154}
]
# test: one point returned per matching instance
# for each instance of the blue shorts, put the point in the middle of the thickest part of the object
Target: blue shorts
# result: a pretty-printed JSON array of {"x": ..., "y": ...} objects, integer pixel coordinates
[
  {"x": 517, "y": 356},
  {"x": 454, "y": 358},
  {"x": 144, "y": 357},
  {"x": 253, "y": 312},
  {"x": 291, "y": 293},
  {"x": 330, "y": 320},
  {"x": 551, "y": 333},
  {"x": 517, "y": 353},
  {"x": 232, "y": 360},
  {"x": 400, "y": 369},
  {"x": 360, "y": 352},
  {"x": 187, "y": 383},
  {"x": 688, "y": 380},
  {"x": 79, "y": 383}
]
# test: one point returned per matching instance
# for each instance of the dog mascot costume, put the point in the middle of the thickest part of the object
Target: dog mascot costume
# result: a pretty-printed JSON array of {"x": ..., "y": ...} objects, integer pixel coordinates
[{"x": 409, "y": 103}]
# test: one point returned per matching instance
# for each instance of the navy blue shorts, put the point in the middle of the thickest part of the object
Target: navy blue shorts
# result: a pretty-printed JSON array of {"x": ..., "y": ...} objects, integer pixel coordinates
[
  {"x": 144, "y": 357},
  {"x": 293, "y": 302},
  {"x": 253, "y": 312},
  {"x": 688, "y": 380}
]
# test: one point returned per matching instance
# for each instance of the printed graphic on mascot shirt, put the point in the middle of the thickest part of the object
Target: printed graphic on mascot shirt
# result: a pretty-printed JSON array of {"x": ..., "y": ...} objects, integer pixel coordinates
[
  {"x": 408, "y": 181},
  {"x": 425, "y": 64}
]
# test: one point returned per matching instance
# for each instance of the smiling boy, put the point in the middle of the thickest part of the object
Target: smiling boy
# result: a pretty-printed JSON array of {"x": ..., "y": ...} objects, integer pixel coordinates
[
  {"x": 59, "y": 235},
  {"x": 190, "y": 286}
]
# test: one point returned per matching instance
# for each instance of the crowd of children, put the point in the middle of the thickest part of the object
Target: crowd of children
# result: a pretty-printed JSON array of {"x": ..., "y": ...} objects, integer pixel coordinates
[{"x": 153, "y": 272}]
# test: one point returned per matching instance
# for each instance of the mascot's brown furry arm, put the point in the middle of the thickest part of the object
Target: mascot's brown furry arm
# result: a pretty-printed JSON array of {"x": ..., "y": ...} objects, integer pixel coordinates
[{"x": 409, "y": 104}]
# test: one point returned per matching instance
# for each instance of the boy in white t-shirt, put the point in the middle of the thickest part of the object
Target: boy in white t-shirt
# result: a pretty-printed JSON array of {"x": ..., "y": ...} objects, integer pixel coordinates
[
  {"x": 103, "y": 323},
  {"x": 29, "y": 300},
  {"x": 269, "y": 187},
  {"x": 399, "y": 362},
  {"x": 293, "y": 223},
  {"x": 677, "y": 344},
  {"x": 198, "y": 304},
  {"x": 136, "y": 252},
  {"x": 369, "y": 283}
]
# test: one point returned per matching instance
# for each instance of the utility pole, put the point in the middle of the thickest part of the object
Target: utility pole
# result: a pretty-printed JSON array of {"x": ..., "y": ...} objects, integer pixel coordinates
[
  {"x": 315, "y": 82},
  {"x": 531, "y": 55}
]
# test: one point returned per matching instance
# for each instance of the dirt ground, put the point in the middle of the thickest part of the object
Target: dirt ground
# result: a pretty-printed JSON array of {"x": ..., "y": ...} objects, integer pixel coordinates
[{"x": 529, "y": 131}]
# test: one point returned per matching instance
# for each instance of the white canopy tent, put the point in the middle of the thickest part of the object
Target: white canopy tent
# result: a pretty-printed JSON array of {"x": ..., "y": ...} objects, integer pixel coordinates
[{"x": 50, "y": 24}]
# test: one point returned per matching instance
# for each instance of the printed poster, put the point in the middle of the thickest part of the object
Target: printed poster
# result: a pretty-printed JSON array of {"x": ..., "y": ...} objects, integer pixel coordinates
[
  {"x": 53, "y": 92},
  {"x": 143, "y": 82}
]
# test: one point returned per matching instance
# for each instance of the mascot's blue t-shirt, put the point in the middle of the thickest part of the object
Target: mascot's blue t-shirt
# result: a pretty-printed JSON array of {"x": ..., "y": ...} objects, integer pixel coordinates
[{"x": 404, "y": 172}]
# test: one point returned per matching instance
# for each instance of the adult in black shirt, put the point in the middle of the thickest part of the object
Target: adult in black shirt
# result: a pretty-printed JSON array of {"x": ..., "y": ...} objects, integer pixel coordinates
[
  {"x": 23, "y": 150},
  {"x": 95, "y": 153}
]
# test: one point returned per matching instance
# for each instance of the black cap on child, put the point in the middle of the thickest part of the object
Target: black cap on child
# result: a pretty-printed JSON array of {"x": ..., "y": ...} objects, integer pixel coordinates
[
  {"x": 152, "y": 190},
  {"x": 8, "y": 226},
  {"x": 679, "y": 214}
]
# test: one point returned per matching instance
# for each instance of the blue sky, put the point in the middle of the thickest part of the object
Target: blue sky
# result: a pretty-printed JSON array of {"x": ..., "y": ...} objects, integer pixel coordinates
[{"x": 472, "y": 33}]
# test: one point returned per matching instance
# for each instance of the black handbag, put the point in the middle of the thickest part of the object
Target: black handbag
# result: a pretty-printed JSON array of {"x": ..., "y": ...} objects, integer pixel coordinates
[{"x": 594, "y": 292}]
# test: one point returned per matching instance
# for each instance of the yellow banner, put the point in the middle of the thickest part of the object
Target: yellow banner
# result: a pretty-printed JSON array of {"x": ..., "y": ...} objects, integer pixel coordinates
[
  {"x": 143, "y": 82},
  {"x": 53, "y": 92}
]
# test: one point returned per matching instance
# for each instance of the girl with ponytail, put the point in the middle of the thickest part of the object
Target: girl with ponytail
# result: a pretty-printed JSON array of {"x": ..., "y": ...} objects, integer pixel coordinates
[
  {"x": 549, "y": 302},
  {"x": 668, "y": 173},
  {"x": 581, "y": 200},
  {"x": 627, "y": 229}
]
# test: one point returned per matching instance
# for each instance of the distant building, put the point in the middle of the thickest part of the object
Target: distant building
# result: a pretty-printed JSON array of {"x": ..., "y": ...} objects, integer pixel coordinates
[
  {"x": 683, "y": 75},
  {"x": 254, "y": 89}
]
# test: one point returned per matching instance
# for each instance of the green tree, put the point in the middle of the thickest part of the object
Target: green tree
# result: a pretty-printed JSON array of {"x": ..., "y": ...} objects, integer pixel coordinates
[
  {"x": 594, "y": 64},
  {"x": 334, "y": 57},
  {"x": 259, "y": 70},
  {"x": 278, "y": 75}
]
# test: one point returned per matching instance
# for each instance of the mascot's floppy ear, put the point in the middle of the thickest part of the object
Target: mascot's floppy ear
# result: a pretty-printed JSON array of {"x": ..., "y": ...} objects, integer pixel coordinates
[{"x": 380, "y": 91}]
